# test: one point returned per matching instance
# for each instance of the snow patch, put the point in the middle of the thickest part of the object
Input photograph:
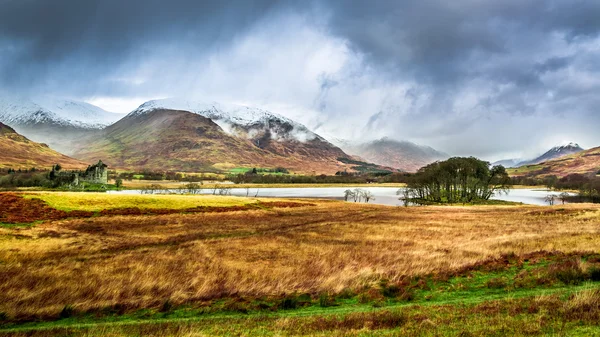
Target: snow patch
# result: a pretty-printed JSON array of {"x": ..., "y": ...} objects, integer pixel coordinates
[
  {"x": 229, "y": 116},
  {"x": 22, "y": 110}
]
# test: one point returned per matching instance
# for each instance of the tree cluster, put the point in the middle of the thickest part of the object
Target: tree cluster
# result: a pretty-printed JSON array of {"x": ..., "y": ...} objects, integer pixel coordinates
[{"x": 457, "y": 180}]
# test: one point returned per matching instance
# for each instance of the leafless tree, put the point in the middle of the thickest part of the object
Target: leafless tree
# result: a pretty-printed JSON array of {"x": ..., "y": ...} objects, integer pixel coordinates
[
  {"x": 348, "y": 194},
  {"x": 367, "y": 195},
  {"x": 564, "y": 196},
  {"x": 550, "y": 199},
  {"x": 193, "y": 188}
]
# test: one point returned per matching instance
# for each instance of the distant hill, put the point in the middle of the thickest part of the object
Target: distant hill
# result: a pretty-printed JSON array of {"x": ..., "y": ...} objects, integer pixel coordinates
[
  {"x": 555, "y": 152},
  {"x": 18, "y": 152},
  {"x": 61, "y": 123},
  {"x": 185, "y": 135},
  {"x": 507, "y": 163},
  {"x": 402, "y": 155},
  {"x": 583, "y": 162}
]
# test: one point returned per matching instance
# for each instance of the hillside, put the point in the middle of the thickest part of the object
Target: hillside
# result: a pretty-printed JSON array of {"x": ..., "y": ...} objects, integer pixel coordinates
[
  {"x": 554, "y": 153},
  {"x": 61, "y": 123},
  {"x": 583, "y": 162},
  {"x": 18, "y": 152},
  {"x": 401, "y": 155},
  {"x": 165, "y": 139}
]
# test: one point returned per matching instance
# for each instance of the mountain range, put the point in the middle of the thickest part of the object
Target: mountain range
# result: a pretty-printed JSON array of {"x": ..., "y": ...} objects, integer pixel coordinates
[
  {"x": 60, "y": 123},
  {"x": 582, "y": 162},
  {"x": 18, "y": 152},
  {"x": 192, "y": 136},
  {"x": 555, "y": 152},
  {"x": 187, "y": 135},
  {"x": 402, "y": 155}
]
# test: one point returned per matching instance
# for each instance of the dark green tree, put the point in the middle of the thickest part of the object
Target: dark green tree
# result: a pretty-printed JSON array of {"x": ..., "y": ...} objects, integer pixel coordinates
[{"x": 458, "y": 179}]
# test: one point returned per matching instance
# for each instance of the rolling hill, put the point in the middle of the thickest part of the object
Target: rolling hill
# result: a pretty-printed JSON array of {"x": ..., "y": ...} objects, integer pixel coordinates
[
  {"x": 402, "y": 155},
  {"x": 18, "y": 152},
  {"x": 190, "y": 136},
  {"x": 582, "y": 162}
]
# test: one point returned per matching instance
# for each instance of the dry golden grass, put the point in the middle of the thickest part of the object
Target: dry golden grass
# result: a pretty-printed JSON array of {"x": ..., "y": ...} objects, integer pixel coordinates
[{"x": 141, "y": 261}]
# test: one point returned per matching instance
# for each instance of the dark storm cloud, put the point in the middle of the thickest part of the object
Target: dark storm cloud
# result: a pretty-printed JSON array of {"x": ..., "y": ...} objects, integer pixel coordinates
[
  {"x": 427, "y": 70},
  {"x": 98, "y": 36}
]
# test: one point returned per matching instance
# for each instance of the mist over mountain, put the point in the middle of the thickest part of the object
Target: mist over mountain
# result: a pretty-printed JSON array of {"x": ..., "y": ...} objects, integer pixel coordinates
[
  {"x": 186, "y": 135},
  {"x": 60, "y": 123},
  {"x": 18, "y": 152},
  {"x": 403, "y": 155},
  {"x": 464, "y": 77},
  {"x": 554, "y": 153}
]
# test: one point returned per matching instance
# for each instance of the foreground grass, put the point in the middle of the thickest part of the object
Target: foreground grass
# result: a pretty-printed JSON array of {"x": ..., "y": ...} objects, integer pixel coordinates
[
  {"x": 325, "y": 268},
  {"x": 69, "y": 201}
]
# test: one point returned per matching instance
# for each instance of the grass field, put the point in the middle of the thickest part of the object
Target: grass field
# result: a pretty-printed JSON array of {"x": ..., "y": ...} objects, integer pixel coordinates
[
  {"x": 68, "y": 201},
  {"x": 319, "y": 268}
]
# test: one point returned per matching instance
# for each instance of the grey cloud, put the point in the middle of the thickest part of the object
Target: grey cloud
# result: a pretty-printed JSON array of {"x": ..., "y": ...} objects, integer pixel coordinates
[{"x": 430, "y": 71}]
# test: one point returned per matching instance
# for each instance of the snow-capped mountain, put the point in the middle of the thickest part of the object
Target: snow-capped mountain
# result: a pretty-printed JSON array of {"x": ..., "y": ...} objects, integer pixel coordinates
[
  {"x": 235, "y": 119},
  {"x": 555, "y": 152},
  {"x": 558, "y": 151},
  {"x": 59, "y": 123},
  {"x": 16, "y": 111},
  {"x": 184, "y": 135}
]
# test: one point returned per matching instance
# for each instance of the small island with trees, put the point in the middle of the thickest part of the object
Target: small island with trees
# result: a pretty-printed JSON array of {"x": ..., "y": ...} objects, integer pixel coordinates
[{"x": 456, "y": 180}]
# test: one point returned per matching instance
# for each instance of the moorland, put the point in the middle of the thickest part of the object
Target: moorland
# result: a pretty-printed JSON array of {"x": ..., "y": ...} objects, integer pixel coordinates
[{"x": 175, "y": 265}]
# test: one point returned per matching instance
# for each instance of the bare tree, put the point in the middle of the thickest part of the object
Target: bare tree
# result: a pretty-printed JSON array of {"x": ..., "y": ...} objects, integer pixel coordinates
[
  {"x": 256, "y": 195},
  {"x": 550, "y": 199},
  {"x": 367, "y": 195},
  {"x": 225, "y": 190},
  {"x": 564, "y": 196},
  {"x": 357, "y": 195},
  {"x": 247, "y": 191},
  {"x": 193, "y": 188},
  {"x": 348, "y": 194},
  {"x": 406, "y": 196}
]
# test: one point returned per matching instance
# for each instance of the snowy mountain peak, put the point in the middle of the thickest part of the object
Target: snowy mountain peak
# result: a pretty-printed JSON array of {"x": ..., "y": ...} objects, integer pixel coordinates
[
  {"x": 231, "y": 116},
  {"x": 567, "y": 145},
  {"x": 64, "y": 112}
]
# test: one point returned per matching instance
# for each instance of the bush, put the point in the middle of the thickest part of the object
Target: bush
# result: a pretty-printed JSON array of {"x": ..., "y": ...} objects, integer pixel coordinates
[
  {"x": 325, "y": 300},
  {"x": 496, "y": 283},
  {"x": 594, "y": 274},
  {"x": 67, "y": 311},
  {"x": 568, "y": 272}
]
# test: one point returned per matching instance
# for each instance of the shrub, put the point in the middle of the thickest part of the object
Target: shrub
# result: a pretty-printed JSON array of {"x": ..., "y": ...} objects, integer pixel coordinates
[
  {"x": 67, "y": 311},
  {"x": 326, "y": 301},
  {"x": 496, "y": 283},
  {"x": 166, "y": 306},
  {"x": 568, "y": 272},
  {"x": 289, "y": 302},
  {"x": 594, "y": 274}
]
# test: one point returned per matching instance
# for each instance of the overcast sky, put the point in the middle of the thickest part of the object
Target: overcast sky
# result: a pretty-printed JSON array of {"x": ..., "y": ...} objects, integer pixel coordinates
[{"x": 469, "y": 77}]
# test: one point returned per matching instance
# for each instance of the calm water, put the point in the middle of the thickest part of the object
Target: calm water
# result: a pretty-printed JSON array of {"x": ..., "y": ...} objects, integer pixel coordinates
[{"x": 383, "y": 195}]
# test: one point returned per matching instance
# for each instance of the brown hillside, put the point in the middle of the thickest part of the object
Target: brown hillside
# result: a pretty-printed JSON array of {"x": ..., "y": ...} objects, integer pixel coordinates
[
  {"x": 401, "y": 155},
  {"x": 184, "y": 141},
  {"x": 18, "y": 152},
  {"x": 584, "y": 162}
]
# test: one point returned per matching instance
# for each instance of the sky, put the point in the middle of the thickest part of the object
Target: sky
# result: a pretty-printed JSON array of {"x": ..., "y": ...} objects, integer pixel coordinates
[{"x": 493, "y": 79}]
